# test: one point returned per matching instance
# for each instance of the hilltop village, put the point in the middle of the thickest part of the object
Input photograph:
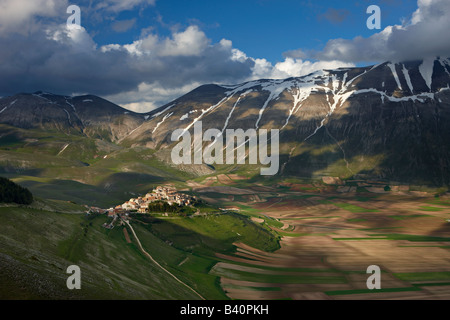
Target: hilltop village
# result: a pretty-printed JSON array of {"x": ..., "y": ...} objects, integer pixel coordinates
[
  {"x": 164, "y": 194},
  {"x": 167, "y": 194}
]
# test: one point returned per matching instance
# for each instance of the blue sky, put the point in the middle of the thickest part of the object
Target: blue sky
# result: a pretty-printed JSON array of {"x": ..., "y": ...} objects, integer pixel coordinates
[
  {"x": 260, "y": 28},
  {"x": 142, "y": 54}
]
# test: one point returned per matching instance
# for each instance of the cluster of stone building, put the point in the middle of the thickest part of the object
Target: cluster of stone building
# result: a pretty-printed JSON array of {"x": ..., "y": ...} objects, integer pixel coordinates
[{"x": 166, "y": 193}]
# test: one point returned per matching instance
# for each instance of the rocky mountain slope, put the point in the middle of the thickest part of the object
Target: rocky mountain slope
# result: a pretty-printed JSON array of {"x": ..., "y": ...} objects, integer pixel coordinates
[
  {"x": 388, "y": 121},
  {"x": 88, "y": 115}
]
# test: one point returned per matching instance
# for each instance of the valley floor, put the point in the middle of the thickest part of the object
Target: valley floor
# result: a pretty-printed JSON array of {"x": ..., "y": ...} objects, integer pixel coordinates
[
  {"x": 329, "y": 240},
  {"x": 326, "y": 243}
]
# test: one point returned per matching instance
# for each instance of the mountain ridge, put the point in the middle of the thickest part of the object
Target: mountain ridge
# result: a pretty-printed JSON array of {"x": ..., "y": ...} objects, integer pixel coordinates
[
  {"x": 389, "y": 105},
  {"x": 343, "y": 122},
  {"x": 49, "y": 111}
]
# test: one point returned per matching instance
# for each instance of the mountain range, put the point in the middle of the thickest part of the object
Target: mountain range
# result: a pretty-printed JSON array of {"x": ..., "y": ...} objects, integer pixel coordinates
[{"x": 388, "y": 121}]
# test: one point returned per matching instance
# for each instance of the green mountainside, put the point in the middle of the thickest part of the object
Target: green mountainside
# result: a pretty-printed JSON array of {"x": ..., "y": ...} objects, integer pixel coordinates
[{"x": 39, "y": 242}]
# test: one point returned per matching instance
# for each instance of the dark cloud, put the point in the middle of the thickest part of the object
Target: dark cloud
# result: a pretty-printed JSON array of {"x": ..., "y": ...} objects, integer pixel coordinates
[
  {"x": 335, "y": 16},
  {"x": 295, "y": 54},
  {"x": 67, "y": 62},
  {"x": 123, "y": 25},
  {"x": 43, "y": 54}
]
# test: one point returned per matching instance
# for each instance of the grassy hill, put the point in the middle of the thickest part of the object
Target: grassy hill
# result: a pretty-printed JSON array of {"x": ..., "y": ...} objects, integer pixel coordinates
[{"x": 40, "y": 241}]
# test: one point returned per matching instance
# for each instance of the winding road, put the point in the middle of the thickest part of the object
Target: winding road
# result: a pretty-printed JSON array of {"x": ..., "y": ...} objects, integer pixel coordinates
[{"x": 155, "y": 262}]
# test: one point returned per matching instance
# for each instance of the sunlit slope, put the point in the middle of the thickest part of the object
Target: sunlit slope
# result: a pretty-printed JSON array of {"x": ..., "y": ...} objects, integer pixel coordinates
[{"x": 38, "y": 243}]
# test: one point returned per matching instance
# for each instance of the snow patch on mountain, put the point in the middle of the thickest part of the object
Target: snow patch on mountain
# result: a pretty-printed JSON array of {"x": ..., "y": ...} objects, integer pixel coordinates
[
  {"x": 275, "y": 89},
  {"x": 11, "y": 104},
  {"x": 232, "y": 109},
  {"x": 359, "y": 75},
  {"x": 205, "y": 111},
  {"x": 335, "y": 82},
  {"x": 71, "y": 105},
  {"x": 339, "y": 98},
  {"x": 418, "y": 97},
  {"x": 426, "y": 70},
  {"x": 40, "y": 96},
  {"x": 243, "y": 87},
  {"x": 64, "y": 148},
  {"x": 408, "y": 79},
  {"x": 446, "y": 88},
  {"x": 394, "y": 72},
  {"x": 303, "y": 91},
  {"x": 445, "y": 64},
  {"x": 167, "y": 116},
  {"x": 161, "y": 112}
]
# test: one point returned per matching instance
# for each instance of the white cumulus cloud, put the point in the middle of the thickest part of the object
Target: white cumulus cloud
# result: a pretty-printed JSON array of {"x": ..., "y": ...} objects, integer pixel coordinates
[
  {"x": 21, "y": 15},
  {"x": 425, "y": 35},
  {"x": 153, "y": 69}
]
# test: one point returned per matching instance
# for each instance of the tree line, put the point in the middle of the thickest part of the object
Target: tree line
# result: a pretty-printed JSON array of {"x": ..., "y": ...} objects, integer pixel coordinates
[
  {"x": 11, "y": 192},
  {"x": 162, "y": 207}
]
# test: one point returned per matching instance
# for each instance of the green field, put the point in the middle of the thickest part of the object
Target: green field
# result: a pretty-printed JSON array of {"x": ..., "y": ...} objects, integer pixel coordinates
[
  {"x": 408, "y": 237},
  {"x": 378, "y": 291},
  {"x": 211, "y": 233},
  {"x": 66, "y": 171},
  {"x": 411, "y": 216},
  {"x": 37, "y": 245},
  {"x": 424, "y": 276},
  {"x": 352, "y": 208},
  {"x": 429, "y": 208},
  {"x": 294, "y": 278}
]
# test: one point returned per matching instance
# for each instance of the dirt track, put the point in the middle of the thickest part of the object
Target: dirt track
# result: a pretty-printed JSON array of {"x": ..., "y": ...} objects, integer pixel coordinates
[{"x": 155, "y": 262}]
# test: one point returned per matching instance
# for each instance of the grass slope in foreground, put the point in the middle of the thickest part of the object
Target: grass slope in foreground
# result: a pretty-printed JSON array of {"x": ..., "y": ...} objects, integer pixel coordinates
[{"x": 37, "y": 245}]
